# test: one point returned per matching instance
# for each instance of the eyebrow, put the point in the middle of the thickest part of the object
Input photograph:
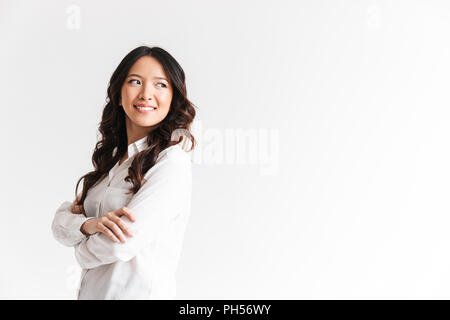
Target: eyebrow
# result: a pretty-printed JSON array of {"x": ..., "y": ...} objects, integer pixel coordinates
[{"x": 136, "y": 75}]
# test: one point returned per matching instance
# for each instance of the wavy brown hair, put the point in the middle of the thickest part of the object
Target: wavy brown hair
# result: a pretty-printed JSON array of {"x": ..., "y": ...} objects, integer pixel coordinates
[{"x": 113, "y": 128}]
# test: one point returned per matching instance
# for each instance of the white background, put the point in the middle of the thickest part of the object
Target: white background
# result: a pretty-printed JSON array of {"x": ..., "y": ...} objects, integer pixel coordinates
[{"x": 355, "y": 205}]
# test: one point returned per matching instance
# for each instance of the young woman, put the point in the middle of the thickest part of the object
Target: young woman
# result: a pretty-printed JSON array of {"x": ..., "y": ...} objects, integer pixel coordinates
[{"x": 128, "y": 222}]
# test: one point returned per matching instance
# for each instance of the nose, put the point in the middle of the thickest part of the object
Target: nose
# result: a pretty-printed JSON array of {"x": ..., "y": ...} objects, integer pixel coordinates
[{"x": 146, "y": 92}]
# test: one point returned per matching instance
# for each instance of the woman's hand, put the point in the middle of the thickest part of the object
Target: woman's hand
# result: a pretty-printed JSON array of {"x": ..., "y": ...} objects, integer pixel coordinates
[
  {"x": 77, "y": 209},
  {"x": 110, "y": 224}
]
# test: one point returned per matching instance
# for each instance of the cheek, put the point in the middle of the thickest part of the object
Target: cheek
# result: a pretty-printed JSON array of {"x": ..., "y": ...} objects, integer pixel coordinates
[
  {"x": 166, "y": 98},
  {"x": 123, "y": 96},
  {"x": 128, "y": 94}
]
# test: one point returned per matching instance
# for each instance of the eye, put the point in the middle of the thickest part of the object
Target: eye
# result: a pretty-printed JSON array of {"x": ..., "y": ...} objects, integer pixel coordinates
[
  {"x": 164, "y": 85},
  {"x": 131, "y": 81}
]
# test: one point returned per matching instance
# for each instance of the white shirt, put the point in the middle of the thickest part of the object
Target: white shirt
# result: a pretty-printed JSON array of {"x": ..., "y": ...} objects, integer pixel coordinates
[{"x": 144, "y": 266}]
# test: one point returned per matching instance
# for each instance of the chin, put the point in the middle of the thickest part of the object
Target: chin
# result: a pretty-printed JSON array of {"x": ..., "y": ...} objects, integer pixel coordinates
[{"x": 152, "y": 124}]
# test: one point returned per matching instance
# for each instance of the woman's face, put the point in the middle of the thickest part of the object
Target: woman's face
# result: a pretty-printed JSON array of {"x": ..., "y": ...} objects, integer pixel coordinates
[{"x": 145, "y": 96}]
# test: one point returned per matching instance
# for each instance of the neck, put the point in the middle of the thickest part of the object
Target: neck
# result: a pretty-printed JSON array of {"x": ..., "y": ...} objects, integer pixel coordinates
[{"x": 135, "y": 133}]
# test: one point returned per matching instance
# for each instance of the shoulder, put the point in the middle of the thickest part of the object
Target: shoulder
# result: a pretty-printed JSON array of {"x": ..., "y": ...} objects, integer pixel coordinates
[
  {"x": 173, "y": 167},
  {"x": 172, "y": 161},
  {"x": 175, "y": 153}
]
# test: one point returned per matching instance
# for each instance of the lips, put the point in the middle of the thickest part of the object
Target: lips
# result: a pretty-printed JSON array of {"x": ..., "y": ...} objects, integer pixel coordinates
[{"x": 144, "y": 107}]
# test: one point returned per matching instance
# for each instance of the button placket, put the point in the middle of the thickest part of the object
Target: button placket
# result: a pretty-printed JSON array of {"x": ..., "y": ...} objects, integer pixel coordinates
[{"x": 111, "y": 174}]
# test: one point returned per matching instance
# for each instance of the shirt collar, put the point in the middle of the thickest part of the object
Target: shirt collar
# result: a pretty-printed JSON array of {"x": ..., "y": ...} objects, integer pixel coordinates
[{"x": 137, "y": 146}]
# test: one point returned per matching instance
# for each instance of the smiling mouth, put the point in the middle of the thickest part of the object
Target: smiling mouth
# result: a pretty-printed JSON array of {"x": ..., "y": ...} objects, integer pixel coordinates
[{"x": 144, "y": 108}]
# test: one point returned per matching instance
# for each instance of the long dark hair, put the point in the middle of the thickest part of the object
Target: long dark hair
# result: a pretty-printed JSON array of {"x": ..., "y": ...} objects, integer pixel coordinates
[{"x": 113, "y": 128}]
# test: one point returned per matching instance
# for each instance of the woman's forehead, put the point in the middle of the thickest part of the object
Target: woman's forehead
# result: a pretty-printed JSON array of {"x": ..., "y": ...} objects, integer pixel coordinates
[{"x": 148, "y": 68}]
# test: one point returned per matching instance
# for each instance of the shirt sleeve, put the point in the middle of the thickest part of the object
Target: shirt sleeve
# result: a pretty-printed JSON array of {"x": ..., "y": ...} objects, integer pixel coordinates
[
  {"x": 66, "y": 225},
  {"x": 158, "y": 201}
]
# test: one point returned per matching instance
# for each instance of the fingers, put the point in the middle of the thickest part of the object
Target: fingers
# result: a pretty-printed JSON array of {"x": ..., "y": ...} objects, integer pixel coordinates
[
  {"x": 115, "y": 225},
  {"x": 76, "y": 199},
  {"x": 107, "y": 232},
  {"x": 126, "y": 212},
  {"x": 77, "y": 209},
  {"x": 123, "y": 226},
  {"x": 114, "y": 228}
]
